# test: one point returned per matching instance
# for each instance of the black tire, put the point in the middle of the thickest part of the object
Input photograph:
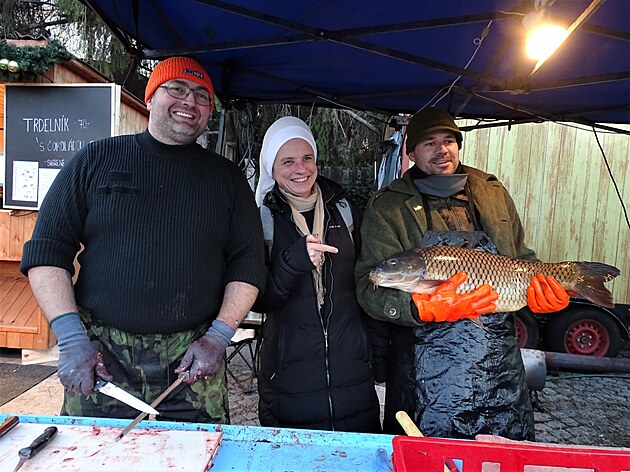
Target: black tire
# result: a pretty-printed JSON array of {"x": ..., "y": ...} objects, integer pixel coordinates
[
  {"x": 584, "y": 330},
  {"x": 527, "y": 330}
]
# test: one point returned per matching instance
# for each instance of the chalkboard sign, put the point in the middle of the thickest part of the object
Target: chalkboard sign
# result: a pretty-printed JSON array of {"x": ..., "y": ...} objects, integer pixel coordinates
[{"x": 45, "y": 125}]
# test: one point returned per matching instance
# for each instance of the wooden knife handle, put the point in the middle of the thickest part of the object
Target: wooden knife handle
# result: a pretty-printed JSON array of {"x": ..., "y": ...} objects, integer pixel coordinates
[{"x": 8, "y": 424}]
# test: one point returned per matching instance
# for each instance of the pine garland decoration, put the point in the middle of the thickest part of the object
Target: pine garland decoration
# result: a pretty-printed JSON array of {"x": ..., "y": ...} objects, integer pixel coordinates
[{"x": 31, "y": 60}]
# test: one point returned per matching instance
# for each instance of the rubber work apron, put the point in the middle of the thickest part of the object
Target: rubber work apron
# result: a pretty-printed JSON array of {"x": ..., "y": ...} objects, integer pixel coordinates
[{"x": 458, "y": 380}]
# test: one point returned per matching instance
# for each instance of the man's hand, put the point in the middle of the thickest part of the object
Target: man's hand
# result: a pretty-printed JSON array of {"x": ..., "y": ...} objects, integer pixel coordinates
[
  {"x": 79, "y": 362},
  {"x": 204, "y": 357},
  {"x": 77, "y": 370},
  {"x": 546, "y": 295},
  {"x": 446, "y": 305}
]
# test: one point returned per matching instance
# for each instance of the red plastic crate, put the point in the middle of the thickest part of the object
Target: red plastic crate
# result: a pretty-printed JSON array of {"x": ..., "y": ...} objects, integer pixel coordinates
[{"x": 429, "y": 454}]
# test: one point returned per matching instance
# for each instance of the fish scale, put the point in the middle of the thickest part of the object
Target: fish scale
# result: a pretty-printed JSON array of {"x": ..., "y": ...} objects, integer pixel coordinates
[{"x": 508, "y": 276}]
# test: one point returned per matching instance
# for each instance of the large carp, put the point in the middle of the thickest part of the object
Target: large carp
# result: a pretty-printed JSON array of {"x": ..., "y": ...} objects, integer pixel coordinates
[{"x": 422, "y": 270}]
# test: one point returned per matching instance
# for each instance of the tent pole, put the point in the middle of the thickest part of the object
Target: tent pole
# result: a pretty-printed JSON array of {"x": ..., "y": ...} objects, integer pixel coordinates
[{"x": 221, "y": 132}]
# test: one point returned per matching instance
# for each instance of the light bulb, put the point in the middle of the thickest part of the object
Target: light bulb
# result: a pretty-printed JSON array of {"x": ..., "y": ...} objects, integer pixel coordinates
[{"x": 543, "y": 40}]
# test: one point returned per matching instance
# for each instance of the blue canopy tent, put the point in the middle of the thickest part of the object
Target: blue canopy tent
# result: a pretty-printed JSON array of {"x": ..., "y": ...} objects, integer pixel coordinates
[{"x": 395, "y": 56}]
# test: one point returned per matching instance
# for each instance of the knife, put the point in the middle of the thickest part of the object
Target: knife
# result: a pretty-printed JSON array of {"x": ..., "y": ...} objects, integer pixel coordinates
[
  {"x": 118, "y": 393},
  {"x": 8, "y": 424},
  {"x": 37, "y": 445}
]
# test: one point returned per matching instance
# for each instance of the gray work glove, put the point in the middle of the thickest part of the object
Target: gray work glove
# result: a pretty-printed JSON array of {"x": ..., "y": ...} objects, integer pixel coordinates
[
  {"x": 204, "y": 357},
  {"x": 79, "y": 361}
]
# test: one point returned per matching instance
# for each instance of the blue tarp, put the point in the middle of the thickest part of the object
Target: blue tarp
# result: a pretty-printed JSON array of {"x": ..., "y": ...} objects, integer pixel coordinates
[{"x": 393, "y": 56}]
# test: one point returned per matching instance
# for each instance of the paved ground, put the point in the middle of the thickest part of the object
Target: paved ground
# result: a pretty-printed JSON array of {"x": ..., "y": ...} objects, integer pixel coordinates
[
  {"x": 585, "y": 409},
  {"x": 572, "y": 408}
]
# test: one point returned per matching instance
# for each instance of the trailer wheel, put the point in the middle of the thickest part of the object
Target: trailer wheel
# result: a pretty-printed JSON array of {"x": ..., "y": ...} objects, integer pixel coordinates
[
  {"x": 583, "y": 330},
  {"x": 527, "y": 331}
]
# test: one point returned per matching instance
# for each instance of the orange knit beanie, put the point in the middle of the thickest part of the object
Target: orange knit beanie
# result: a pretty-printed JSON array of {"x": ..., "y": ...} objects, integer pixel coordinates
[{"x": 178, "y": 68}]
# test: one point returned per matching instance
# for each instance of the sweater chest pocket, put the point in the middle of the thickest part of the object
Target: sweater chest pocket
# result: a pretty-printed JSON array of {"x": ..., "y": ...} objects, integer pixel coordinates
[
  {"x": 118, "y": 183},
  {"x": 117, "y": 190}
]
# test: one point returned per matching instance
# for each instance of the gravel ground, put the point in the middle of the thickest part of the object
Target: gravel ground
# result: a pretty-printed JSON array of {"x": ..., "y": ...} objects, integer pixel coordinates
[
  {"x": 581, "y": 409},
  {"x": 585, "y": 409}
]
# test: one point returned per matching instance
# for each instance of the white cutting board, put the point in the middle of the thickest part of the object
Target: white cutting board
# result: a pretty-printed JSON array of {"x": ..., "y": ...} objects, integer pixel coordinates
[{"x": 92, "y": 448}]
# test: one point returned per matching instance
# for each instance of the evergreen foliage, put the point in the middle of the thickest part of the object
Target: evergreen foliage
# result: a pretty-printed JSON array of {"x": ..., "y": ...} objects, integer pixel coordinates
[
  {"x": 74, "y": 25},
  {"x": 31, "y": 60}
]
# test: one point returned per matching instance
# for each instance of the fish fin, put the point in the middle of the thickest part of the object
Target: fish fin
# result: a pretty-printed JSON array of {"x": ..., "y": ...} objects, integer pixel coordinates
[
  {"x": 590, "y": 285},
  {"x": 477, "y": 321},
  {"x": 426, "y": 286}
]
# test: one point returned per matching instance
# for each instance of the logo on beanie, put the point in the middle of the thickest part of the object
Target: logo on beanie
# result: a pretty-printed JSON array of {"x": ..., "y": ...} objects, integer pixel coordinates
[{"x": 194, "y": 72}]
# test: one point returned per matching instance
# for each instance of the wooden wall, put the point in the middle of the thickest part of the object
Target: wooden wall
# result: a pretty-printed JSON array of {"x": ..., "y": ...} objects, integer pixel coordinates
[
  {"x": 133, "y": 115},
  {"x": 562, "y": 189},
  {"x": 22, "y": 325}
]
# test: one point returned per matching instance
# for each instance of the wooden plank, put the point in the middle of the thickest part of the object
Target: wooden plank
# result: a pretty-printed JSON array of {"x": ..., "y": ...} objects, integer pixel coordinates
[
  {"x": 11, "y": 268},
  {"x": 562, "y": 190},
  {"x": 25, "y": 317},
  {"x": 14, "y": 301},
  {"x": 16, "y": 237},
  {"x": 22, "y": 324},
  {"x": 9, "y": 328},
  {"x": 5, "y": 223},
  {"x": 89, "y": 448},
  {"x": 586, "y": 169},
  {"x": 27, "y": 340},
  {"x": 530, "y": 187},
  {"x": 6, "y": 287},
  {"x": 13, "y": 340}
]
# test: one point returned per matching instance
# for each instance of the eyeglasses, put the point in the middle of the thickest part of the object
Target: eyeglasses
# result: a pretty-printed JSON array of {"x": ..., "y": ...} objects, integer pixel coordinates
[{"x": 181, "y": 91}]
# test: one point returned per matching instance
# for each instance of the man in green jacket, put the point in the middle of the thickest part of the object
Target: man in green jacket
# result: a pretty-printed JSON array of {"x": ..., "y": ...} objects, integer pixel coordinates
[{"x": 452, "y": 377}]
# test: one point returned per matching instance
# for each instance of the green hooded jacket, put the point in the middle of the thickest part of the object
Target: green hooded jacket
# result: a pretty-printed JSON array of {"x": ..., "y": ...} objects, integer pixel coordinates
[{"x": 394, "y": 221}]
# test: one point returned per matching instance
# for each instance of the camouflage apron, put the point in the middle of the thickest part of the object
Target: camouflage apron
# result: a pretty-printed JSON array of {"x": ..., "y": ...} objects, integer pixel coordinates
[{"x": 143, "y": 365}]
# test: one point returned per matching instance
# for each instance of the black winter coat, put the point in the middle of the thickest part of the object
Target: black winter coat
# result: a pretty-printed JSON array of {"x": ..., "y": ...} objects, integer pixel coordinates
[{"x": 315, "y": 370}]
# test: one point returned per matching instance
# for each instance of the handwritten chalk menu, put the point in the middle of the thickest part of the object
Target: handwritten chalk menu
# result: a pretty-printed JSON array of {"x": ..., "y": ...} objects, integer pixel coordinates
[{"x": 45, "y": 125}]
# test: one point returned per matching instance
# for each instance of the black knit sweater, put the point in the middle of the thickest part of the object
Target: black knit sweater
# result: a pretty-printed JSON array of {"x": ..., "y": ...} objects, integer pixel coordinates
[{"x": 164, "y": 229}]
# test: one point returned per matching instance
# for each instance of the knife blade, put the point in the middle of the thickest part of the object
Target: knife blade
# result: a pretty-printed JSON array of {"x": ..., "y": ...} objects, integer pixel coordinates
[
  {"x": 37, "y": 445},
  {"x": 108, "y": 388},
  {"x": 157, "y": 401}
]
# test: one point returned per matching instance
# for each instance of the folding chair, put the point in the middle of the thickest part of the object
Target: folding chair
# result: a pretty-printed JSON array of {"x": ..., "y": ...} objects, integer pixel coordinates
[{"x": 248, "y": 336}]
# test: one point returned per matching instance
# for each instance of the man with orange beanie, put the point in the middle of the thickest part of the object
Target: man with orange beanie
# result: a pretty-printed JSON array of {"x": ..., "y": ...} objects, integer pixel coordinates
[{"x": 172, "y": 259}]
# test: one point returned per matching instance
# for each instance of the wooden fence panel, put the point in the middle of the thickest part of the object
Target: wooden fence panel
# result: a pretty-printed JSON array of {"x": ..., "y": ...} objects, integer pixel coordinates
[{"x": 562, "y": 190}]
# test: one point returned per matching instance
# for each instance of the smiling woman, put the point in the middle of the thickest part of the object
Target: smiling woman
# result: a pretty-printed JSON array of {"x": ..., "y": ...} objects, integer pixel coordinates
[
  {"x": 316, "y": 370},
  {"x": 294, "y": 168}
]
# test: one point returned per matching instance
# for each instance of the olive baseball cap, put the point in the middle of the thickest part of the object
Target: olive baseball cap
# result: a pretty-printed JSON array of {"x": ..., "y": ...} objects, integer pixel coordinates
[{"x": 427, "y": 121}]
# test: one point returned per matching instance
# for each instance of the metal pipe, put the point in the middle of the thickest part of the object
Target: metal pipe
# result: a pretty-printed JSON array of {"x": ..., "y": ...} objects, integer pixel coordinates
[
  {"x": 539, "y": 363},
  {"x": 573, "y": 362}
]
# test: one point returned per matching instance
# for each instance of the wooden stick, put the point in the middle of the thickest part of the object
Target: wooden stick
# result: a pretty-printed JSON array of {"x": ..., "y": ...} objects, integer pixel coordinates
[
  {"x": 157, "y": 401},
  {"x": 412, "y": 430},
  {"x": 408, "y": 425}
]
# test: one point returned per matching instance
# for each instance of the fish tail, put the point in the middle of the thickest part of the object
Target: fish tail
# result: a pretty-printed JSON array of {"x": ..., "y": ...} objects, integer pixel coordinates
[{"x": 590, "y": 284}]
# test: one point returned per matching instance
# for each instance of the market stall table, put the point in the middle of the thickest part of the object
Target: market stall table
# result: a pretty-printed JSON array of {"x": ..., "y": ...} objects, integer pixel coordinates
[{"x": 164, "y": 445}]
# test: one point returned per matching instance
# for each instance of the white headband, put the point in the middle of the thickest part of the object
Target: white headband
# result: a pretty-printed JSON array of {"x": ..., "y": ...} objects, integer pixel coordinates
[{"x": 281, "y": 131}]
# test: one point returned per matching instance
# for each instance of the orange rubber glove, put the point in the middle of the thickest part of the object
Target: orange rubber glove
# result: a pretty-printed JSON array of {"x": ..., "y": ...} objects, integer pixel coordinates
[
  {"x": 546, "y": 295},
  {"x": 446, "y": 305}
]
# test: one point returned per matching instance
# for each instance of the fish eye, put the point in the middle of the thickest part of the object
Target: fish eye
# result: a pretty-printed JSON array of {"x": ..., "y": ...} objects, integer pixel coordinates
[{"x": 392, "y": 262}]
